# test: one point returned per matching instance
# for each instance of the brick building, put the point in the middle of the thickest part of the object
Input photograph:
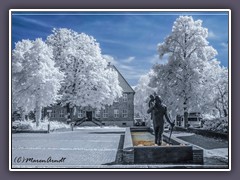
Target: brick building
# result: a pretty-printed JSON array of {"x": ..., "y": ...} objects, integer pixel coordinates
[{"x": 121, "y": 113}]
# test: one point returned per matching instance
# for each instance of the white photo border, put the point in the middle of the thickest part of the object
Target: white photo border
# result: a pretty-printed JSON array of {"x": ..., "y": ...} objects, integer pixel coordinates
[{"x": 116, "y": 10}]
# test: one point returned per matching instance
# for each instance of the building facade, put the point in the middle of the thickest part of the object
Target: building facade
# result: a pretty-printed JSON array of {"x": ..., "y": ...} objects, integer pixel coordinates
[{"x": 120, "y": 113}]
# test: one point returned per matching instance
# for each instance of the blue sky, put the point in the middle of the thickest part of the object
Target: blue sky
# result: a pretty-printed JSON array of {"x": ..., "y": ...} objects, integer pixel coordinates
[{"x": 131, "y": 38}]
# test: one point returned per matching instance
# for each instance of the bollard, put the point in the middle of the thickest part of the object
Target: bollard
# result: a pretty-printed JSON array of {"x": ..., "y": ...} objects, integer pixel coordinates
[{"x": 72, "y": 126}]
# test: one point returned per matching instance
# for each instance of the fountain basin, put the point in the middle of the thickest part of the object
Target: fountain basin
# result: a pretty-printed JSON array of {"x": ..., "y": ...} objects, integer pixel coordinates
[{"x": 139, "y": 148}]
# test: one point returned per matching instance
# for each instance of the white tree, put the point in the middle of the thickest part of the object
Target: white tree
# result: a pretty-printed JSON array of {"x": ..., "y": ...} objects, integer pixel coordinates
[
  {"x": 162, "y": 82},
  {"x": 89, "y": 81},
  {"x": 188, "y": 50},
  {"x": 222, "y": 98},
  {"x": 215, "y": 90},
  {"x": 141, "y": 98},
  {"x": 35, "y": 79}
]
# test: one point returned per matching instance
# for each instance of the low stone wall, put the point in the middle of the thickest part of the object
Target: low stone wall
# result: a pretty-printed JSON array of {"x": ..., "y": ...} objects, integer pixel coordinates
[
  {"x": 140, "y": 129},
  {"x": 178, "y": 153},
  {"x": 197, "y": 155},
  {"x": 160, "y": 154},
  {"x": 128, "y": 150},
  {"x": 197, "y": 152},
  {"x": 118, "y": 123}
]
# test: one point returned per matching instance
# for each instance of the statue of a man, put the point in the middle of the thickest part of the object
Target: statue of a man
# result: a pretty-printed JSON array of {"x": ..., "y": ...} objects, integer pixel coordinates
[{"x": 158, "y": 111}]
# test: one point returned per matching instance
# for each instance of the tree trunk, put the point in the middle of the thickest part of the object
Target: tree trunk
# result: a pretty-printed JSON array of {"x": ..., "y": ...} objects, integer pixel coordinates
[
  {"x": 185, "y": 115},
  {"x": 185, "y": 119},
  {"x": 219, "y": 110},
  {"x": 224, "y": 109},
  {"x": 225, "y": 112},
  {"x": 68, "y": 112},
  {"x": 38, "y": 114},
  {"x": 23, "y": 115},
  {"x": 26, "y": 117}
]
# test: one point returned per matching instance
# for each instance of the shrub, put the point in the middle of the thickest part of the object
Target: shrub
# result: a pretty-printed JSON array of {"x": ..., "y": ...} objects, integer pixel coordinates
[
  {"x": 31, "y": 125},
  {"x": 216, "y": 125}
]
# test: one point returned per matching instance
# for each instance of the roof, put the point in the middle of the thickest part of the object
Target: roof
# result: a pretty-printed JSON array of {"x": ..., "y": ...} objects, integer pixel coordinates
[{"x": 123, "y": 82}]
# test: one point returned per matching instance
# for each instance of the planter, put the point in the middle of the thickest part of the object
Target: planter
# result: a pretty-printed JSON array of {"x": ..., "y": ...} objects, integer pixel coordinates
[{"x": 139, "y": 148}]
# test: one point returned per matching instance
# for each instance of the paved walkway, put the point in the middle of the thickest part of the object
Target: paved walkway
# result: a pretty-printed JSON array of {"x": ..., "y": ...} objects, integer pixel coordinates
[
  {"x": 205, "y": 142},
  {"x": 97, "y": 148},
  {"x": 215, "y": 150},
  {"x": 80, "y": 147}
]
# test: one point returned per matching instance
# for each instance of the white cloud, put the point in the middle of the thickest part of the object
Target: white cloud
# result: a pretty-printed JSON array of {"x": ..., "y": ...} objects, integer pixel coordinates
[
  {"x": 128, "y": 71},
  {"x": 211, "y": 35},
  {"x": 39, "y": 23},
  {"x": 116, "y": 42},
  {"x": 225, "y": 45},
  {"x": 134, "y": 74},
  {"x": 131, "y": 72},
  {"x": 110, "y": 59},
  {"x": 129, "y": 59},
  {"x": 155, "y": 59},
  {"x": 119, "y": 62},
  {"x": 126, "y": 67}
]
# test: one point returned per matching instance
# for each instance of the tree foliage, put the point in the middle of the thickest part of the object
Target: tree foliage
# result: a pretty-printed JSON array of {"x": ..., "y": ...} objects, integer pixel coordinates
[
  {"x": 89, "y": 81},
  {"x": 141, "y": 98},
  {"x": 191, "y": 74},
  {"x": 35, "y": 79}
]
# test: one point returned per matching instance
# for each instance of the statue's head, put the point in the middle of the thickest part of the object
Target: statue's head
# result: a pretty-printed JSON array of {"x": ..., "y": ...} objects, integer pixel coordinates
[{"x": 158, "y": 99}]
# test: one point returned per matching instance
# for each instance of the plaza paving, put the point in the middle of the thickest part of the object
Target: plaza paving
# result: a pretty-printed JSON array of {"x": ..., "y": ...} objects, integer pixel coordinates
[
  {"x": 80, "y": 147},
  {"x": 96, "y": 148}
]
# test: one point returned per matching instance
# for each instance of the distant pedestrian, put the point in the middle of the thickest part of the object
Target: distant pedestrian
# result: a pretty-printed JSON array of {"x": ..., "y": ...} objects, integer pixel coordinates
[{"x": 158, "y": 111}]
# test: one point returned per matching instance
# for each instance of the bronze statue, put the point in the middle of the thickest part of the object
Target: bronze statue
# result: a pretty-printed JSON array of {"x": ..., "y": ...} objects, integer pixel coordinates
[{"x": 158, "y": 110}]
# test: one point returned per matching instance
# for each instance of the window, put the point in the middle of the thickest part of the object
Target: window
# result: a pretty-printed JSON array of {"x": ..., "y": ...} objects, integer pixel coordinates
[
  {"x": 61, "y": 114},
  {"x": 97, "y": 114},
  {"x": 53, "y": 114},
  {"x": 125, "y": 98},
  {"x": 105, "y": 113},
  {"x": 81, "y": 113},
  {"x": 124, "y": 124},
  {"x": 125, "y": 113},
  {"x": 116, "y": 113},
  {"x": 43, "y": 114},
  {"x": 74, "y": 110}
]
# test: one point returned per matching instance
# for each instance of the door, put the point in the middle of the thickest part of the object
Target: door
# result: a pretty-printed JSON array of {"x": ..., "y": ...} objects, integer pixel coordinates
[{"x": 89, "y": 115}]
